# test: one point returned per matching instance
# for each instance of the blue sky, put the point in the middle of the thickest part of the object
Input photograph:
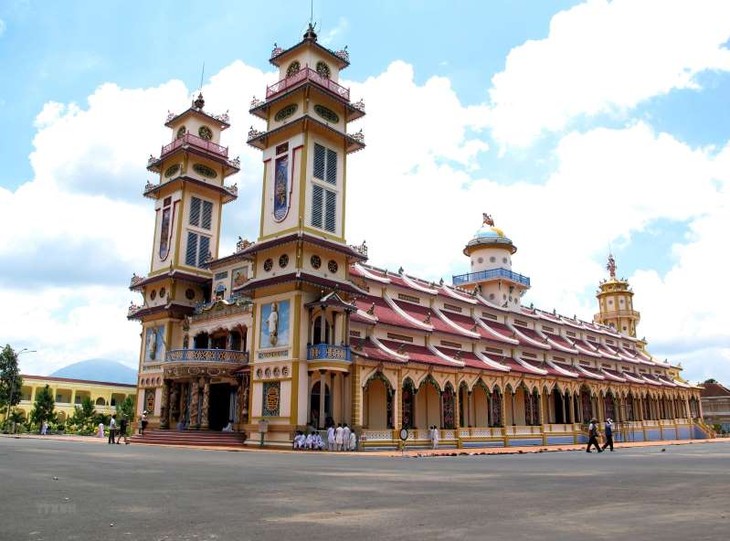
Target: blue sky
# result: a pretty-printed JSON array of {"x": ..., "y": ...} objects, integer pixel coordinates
[{"x": 578, "y": 125}]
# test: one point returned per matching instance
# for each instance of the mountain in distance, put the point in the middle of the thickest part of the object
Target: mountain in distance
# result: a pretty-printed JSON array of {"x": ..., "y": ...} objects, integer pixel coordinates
[{"x": 98, "y": 370}]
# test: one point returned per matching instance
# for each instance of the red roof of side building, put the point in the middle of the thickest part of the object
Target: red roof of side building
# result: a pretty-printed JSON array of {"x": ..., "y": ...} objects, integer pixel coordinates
[
  {"x": 385, "y": 314},
  {"x": 418, "y": 354},
  {"x": 712, "y": 390}
]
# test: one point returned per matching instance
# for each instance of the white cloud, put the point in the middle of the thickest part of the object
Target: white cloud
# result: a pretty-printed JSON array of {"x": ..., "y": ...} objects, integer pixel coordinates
[
  {"x": 2, "y": 27},
  {"x": 606, "y": 57},
  {"x": 413, "y": 194}
]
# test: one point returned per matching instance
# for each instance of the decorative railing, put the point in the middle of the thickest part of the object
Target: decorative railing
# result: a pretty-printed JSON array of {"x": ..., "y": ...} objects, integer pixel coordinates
[
  {"x": 490, "y": 274},
  {"x": 328, "y": 352},
  {"x": 376, "y": 435},
  {"x": 190, "y": 139},
  {"x": 206, "y": 356},
  {"x": 307, "y": 74}
]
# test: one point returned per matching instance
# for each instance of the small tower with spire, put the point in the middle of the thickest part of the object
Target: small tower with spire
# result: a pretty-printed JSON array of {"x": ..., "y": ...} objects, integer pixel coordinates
[
  {"x": 491, "y": 273},
  {"x": 615, "y": 302}
]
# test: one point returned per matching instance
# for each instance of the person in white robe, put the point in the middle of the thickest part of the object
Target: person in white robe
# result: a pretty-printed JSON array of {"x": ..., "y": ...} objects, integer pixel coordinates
[
  {"x": 308, "y": 442},
  {"x": 318, "y": 443},
  {"x": 345, "y": 437},
  {"x": 436, "y": 436},
  {"x": 331, "y": 438},
  {"x": 227, "y": 428},
  {"x": 353, "y": 441},
  {"x": 338, "y": 437},
  {"x": 100, "y": 431}
]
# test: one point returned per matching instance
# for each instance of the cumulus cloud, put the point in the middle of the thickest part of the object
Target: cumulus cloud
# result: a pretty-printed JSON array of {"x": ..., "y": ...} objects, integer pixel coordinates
[
  {"x": 2, "y": 27},
  {"x": 415, "y": 194},
  {"x": 606, "y": 57}
]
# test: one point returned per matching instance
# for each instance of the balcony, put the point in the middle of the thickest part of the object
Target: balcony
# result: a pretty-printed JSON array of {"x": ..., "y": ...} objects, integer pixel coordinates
[
  {"x": 194, "y": 140},
  {"x": 491, "y": 274},
  {"x": 307, "y": 74},
  {"x": 226, "y": 356},
  {"x": 327, "y": 352}
]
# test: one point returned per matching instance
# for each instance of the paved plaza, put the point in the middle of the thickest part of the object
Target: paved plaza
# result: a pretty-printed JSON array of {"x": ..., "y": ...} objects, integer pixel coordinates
[{"x": 59, "y": 490}]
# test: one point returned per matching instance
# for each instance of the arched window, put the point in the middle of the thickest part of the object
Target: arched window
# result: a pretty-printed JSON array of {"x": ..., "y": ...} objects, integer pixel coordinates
[
  {"x": 293, "y": 68},
  {"x": 323, "y": 69}
]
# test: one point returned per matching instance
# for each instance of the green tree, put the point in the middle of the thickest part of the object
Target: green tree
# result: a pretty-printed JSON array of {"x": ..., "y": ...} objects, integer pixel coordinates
[
  {"x": 11, "y": 382},
  {"x": 43, "y": 409},
  {"x": 83, "y": 417},
  {"x": 125, "y": 409}
]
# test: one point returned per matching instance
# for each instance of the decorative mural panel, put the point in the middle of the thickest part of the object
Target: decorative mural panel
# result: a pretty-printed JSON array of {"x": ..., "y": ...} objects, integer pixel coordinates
[
  {"x": 149, "y": 400},
  {"x": 272, "y": 399},
  {"x": 274, "y": 324},
  {"x": 281, "y": 188},
  {"x": 155, "y": 344},
  {"x": 239, "y": 277},
  {"x": 165, "y": 230},
  {"x": 497, "y": 409}
]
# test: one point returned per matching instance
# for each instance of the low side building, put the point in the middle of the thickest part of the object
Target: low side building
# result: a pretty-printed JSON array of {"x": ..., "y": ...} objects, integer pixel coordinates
[
  {"x": 69, "y": 393},
  {"x": 715, "y": 400}
]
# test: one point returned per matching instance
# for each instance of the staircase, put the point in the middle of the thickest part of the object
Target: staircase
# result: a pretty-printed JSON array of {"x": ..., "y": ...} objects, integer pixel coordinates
[{"x": 191, "y": 438}]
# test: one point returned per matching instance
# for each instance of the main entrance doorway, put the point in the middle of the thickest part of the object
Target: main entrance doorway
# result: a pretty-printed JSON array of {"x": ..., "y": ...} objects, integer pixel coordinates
[{"x": 221, "y": 405}]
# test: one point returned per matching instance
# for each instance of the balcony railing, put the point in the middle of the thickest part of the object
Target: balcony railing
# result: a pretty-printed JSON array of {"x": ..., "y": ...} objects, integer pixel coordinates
[
  {"x": 190, "y": 139},
  {"x": 328, "y": 352},
  {"x": 308, "y": 74},
  {"x": 206, "y": 356},
  {"x": 489, "y": 275}
]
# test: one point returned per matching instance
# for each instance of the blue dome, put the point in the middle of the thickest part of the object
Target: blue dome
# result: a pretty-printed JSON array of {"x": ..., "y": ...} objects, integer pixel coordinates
[{"x": 488, "y": 232}]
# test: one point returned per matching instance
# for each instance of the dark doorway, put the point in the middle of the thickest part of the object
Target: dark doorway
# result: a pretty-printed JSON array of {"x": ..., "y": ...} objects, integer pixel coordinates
[
  {"x": 558, "y": 406},
  {"x": 219, "y": 405}
]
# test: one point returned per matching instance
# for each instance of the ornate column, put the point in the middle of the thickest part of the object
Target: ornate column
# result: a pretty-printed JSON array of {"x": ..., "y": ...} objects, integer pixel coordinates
[
  {"x": 356, "y": 397},
  {"x": 562, "y": 403},
  {"x": 164, "y": 405},
  {"x": 396, "y": 409},
  {"x": 206, "y": 403},
  {"x": 183, "y": 401},
  {"x": 194, "y": 403},
  {"x": 322, "y": 389}
]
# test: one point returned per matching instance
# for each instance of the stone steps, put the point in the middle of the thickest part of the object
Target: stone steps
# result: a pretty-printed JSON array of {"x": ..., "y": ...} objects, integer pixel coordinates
[{"x": 193, "y": 438}]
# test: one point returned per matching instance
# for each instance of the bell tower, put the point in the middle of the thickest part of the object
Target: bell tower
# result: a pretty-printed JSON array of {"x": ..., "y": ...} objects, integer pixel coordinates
[
  {"x": 301, "y": 288},
  {"x": 490, "y": 252},
  {"x": 615, "y": 303},
  {"x": 189, "y": 194}
]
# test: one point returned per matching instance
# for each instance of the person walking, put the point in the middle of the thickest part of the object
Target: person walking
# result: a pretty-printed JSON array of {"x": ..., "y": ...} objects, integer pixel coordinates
[
  {"x": 331, "y": 437},
  {"x": 593, "y": 436},
  {"x": 123, "y": 431},
  {"x": 112, "y": 428},
  {"x": 338, "y": 437},
  {"x": 435, "y": 437},
  {"x": 608, "y": 433},
  {"x": 345, "y": 437}
]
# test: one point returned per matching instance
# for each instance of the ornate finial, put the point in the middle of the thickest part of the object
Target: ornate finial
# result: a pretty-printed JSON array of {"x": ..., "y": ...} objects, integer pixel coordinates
[
  {"x": 611, "y": 266},
  {"x": 242, "y": 244},
  {"x": 199, "y": 103},
  {"x": 400, "y": 270},
  {"x": 441, "y": 282},
  {"x": 371, "y": 310},
  {"x": 487, "y": 219},
  {"x": 310, "y": 34},
  {"x": 427, "y": 321},
  {"x": 401, "y": 348}
]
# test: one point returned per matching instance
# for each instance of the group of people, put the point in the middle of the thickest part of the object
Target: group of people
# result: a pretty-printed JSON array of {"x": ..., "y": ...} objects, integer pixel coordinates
[
  {"x": 117, "y": 432},
  {"x": 311, "y": 442},
  {"x": 339, "y": 438},
  {"x": 593, "y": 435}
]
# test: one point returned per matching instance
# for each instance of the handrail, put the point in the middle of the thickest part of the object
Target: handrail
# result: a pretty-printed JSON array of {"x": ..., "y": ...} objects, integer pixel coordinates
[
  {"x": 196, "y": 141},
  {"x": 307, "y": 74},
  {"x": 489, "y": 274}
]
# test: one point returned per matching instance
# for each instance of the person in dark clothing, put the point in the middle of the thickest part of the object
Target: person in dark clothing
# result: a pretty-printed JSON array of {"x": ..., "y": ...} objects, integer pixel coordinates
[
  {"x": 608, "y": 433},
  {"x": 123, "y": 431},
  {"x": 593, "y": 436}
]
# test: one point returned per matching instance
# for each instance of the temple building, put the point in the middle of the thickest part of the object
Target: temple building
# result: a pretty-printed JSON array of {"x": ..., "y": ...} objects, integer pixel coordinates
[{"x": 298, "y": 330}]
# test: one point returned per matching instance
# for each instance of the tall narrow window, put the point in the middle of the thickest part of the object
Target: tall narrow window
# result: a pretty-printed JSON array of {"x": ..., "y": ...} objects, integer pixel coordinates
[
  {"x": 324, "y": 201},
  {"x": 201, "y": 213}
]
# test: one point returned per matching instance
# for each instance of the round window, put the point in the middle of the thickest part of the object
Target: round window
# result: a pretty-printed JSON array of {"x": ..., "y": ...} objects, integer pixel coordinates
[
  {"x": 268, "y": 264},
  {"x": 283, "y": 260},
  {"x": 162, "y": 292},
  {"x": 504, "y": 260},
  {"x": 332, "y": 266},
  {"x": 492, "y": 259},
  {"x": 480, "y": 260},
  {"x": 190, "y": 293},
  {"x": 153, "y": 294},
  {"x": 315, "y": 261},
  {"x": 205, "y": 133},
  {"x": 181, "y": 132}
]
